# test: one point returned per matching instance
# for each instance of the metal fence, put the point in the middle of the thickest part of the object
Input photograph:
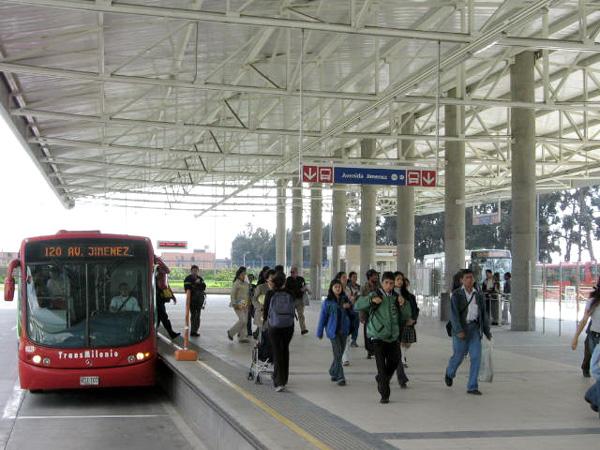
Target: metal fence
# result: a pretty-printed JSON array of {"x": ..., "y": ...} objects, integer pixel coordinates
[{"x": 560, "y": 291}]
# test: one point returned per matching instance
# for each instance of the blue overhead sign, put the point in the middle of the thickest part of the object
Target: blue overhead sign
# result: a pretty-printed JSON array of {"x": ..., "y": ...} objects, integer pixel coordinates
[
  {"x": 398, "y": 176},
  {"x": 369, "y": 175}
]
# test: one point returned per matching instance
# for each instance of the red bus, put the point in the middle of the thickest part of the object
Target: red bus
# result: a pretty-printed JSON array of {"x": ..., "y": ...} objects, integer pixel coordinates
[
  {"x": 558, "y": 276},
  {"x": 85, "y": 311}
]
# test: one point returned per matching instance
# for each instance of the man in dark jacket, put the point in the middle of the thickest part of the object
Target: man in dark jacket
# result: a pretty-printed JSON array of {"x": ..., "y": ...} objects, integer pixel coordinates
[
  {"x": 195, "y": 295},
  {"x": 296, "y": 286},
  {"x": 469, "y": 323}
]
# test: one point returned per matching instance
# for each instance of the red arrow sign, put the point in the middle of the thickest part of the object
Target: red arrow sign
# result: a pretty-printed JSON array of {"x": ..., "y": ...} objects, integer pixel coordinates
[
  {"x": 428, "y": 178},
  {"x": 310, "y": 174}
]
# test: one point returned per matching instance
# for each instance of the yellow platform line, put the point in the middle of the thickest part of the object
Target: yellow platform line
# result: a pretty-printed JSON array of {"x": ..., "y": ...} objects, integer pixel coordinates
[{"x": 260, "y": 404}]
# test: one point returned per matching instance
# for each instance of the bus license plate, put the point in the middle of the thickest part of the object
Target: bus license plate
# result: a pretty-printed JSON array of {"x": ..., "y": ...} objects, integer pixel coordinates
[{"x": 89, "y": 381}]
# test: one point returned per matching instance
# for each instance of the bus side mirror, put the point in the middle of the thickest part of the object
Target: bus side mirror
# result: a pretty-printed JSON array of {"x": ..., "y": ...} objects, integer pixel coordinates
[{"x": 9, "y": 282}]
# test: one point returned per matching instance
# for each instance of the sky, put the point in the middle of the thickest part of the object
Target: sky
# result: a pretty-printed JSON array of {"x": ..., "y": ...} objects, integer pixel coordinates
[{"x": 30, "y": 208}]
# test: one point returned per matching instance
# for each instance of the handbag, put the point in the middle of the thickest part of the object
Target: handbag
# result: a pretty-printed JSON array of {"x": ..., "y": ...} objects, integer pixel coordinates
[
  {"x": 305, "y": 299},
  {"x": 449, "y": 323}
]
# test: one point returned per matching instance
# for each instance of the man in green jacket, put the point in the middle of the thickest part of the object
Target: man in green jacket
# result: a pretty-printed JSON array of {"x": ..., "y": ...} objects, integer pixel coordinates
[{"x": 383, "y": 330}]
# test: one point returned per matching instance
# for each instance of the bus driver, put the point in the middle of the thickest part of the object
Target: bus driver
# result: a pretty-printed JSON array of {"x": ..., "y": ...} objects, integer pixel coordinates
[{"x": 124, "y": 301}]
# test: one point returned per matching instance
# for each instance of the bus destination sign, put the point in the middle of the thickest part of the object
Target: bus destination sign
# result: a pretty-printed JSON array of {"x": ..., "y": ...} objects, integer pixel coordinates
[
  {"x": 86, "y": 251},
  {"x": 172, "y": 244}
]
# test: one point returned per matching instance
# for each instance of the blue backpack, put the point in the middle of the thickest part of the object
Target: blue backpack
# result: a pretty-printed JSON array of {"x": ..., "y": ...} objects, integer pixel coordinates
[{"x": 281, "y": 310}]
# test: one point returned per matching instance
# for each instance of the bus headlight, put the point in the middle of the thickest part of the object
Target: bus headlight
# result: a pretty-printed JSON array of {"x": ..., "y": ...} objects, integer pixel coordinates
[
  {"x": 139, "y": 356},
  {"x": 36, "y": 359},
  {"x": 46, "y": 361},
  {"x": 131, "y": 359}
]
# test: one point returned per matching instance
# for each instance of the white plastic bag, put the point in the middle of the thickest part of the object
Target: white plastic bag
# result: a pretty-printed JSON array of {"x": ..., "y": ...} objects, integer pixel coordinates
[{"x": 486, "y": 369}]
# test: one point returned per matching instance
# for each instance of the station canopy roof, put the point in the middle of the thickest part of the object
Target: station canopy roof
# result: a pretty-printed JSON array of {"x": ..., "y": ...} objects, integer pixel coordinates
[{"x": 204, "y": 105}]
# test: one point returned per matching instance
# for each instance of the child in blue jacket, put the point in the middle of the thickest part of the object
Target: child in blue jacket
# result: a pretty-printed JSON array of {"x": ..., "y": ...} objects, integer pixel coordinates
[{"x": 335, "y": 320}]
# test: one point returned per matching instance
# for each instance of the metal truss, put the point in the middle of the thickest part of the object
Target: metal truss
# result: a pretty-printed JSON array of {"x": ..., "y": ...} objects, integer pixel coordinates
[{"x": 197, "y": 108}]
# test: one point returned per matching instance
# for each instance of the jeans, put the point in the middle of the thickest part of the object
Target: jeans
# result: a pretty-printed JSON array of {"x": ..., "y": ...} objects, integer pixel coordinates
[
  {"x": 593, "y": 394},
  {"x": 280, "y": 346},
  {"x": 354, "y": 325},
  {"x": 336, "y": 371},
  {"x": 471, "y": 345},
  {"x": 387, "y": 358}
]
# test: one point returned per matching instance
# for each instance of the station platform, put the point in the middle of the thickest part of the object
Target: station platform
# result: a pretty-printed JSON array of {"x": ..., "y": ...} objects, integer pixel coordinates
[{"x": 534, "y": 402}]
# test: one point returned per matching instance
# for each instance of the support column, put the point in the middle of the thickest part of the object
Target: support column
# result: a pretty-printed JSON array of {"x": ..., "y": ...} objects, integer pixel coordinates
[
  {"x": 405, "y": 206},
  {"x": 296, "y": 255},
  {"x": 454, "y": 216},
  {"x": 316, "y": 239},
  {"x": 338, "y": 224},
  {"x": 280, "y": 231},
  {"x": 368, "y": 215},
  {"x": 523, "y": 193}
]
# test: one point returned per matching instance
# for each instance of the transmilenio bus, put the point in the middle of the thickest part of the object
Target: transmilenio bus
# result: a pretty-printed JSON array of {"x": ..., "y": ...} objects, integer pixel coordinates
[{"x": 85, "y": 311}]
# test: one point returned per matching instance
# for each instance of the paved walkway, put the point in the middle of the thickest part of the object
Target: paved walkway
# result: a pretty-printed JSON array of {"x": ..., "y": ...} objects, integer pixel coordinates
[{"x": 534, "y": 402}]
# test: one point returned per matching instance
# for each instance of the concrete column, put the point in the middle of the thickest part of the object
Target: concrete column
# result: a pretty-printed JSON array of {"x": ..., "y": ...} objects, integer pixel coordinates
[
  {"x": 316, "y": 239},
  {"x": 338, "y": 223},
  {"x": 368, "y": 215},
  {"x": 405, "y": 206},
  {"x": 454, "y": 217},
  {"x": 297, "y": 224},
  {"x": 280, "y": 231},
  {"x": 523, "y": 193}
]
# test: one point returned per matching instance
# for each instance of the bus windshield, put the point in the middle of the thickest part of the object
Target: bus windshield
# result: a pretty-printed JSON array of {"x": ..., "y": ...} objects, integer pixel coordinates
[{"x": 75, "y": 303}]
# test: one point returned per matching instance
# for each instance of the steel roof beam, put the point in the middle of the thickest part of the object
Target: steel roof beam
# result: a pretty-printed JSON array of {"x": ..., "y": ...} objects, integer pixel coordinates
[{"x": 282, "y": 22}]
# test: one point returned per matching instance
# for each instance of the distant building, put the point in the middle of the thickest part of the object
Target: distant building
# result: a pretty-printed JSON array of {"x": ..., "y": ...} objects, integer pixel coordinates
[
  {"x": 201, "y": 258},
  {"x": 223, "y": 263},
  {"x": 6, "y": 257}
]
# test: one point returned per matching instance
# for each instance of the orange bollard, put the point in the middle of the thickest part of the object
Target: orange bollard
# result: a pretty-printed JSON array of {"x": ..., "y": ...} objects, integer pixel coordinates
[{"x": 186, "y": 354}]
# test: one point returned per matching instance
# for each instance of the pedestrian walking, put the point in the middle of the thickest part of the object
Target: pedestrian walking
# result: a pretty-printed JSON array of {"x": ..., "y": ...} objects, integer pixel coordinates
[
  {"x": 591, "y": 319},
  {"x": 469, "y": 324},
  {"x": 296, "y": 286},
  {"x": 259, "y": 299},
  {"x": 164, "y": 295},
  {"x": 335, "y": 320},
  {"x": 405, "y": 320},
  {"x": 195, "y": 296},
  {"x": 383, "y": 331},
  {"x": 278, "y": 313},
  {"x": 371, "y": 285},
  {"x": 240, "y": 300},
  {"x": 354, "y": 289},
  {"x": 592, "y": 395}
]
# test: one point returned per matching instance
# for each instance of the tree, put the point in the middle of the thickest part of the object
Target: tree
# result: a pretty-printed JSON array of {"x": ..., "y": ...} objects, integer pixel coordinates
[{"x": 258, "y": 246}]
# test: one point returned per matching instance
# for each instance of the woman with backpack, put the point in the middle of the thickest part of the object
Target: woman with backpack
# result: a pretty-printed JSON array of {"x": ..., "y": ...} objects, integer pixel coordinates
[
  {"x": 240, "y": 300},
  {"x": 278, "y": 313},
  {"x": 335, "y": 319}
]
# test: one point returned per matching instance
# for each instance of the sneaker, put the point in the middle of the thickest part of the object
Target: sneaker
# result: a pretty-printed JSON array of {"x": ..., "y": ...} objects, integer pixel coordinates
[
  {"x": 280, "y": 389},
  {"x": 303, "y": 332},
  {"x": 369, "y": 356},
  {"x": 346, "y": 363},
  {"x": 229, "y": 336},
  {"x": 586, "y": 373},
  {"x": 175, "y": 335},
  {"x": 353, "y": 344},
  {"x": 384, "y": 400},
  {"x": 448, "y": 380},
  {"x": 403, "y": 386},
  {"x": 341, "y": 383},
  {"x": 243, "y": 341},
  {"x": 255, "y": 334},
  {"x": 194, "y": 334},
  {"x": 474, "y": 392},
  {"x": 333, "y": 379}
]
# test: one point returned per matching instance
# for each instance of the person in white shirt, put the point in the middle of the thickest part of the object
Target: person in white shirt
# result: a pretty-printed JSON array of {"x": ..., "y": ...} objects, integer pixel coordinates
[{"x": 124, "y": 301}]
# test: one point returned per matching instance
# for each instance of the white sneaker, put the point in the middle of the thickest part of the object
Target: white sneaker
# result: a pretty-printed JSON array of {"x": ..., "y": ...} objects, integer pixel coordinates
[
  {"x": 280, "y": 389},
  {"x": 346, "y": 363}
]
